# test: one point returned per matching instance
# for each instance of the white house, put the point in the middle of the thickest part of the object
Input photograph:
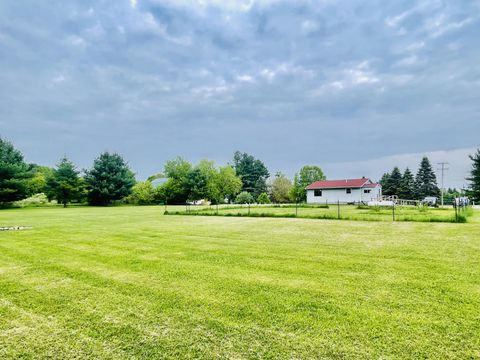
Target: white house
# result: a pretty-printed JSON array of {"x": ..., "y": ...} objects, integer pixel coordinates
[{"x": 345, "y": 191}]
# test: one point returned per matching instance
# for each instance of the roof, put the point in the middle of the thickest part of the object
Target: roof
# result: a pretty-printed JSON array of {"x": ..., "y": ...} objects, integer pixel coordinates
[{"x": 342, "y": 184}]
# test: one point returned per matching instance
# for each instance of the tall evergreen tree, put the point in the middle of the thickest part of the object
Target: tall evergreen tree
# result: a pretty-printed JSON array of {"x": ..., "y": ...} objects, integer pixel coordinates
[
  {"x": 109, "y": 179},
  {"x": 65, "y": 184},
  {"x": 426, "y": 181},
  {"x": 407, "y": 185},
  {"x": 385, "y": 182},
  {"x": 252, "y": 172},
  {"x": 394, "y": 181},
  {"x": 474, "y": 179},
  {"x": 14, "y": 174}
]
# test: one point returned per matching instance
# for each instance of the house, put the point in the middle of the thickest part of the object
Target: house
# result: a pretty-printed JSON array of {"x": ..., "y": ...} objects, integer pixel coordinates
[{"x": 345, "y": 191}]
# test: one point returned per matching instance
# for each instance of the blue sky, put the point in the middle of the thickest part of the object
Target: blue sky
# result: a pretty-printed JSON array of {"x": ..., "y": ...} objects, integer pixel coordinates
[{"x": 355, "y": 87}]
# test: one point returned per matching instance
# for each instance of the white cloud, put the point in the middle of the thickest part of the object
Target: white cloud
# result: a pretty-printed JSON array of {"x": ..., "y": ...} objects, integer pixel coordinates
[
  {"x": 227, "y": 5},
  {"x": 309, "y": 26},
  {"x": 246, "y": 78},
  {"x": 362, "y": 74},
  {"x": 408, "y": 61},
  {"x": 133, "y": 3},
  {"x": 268, "y": 74},
  {"x": 77, "y": 41},
  {"x": 439, "y": 28}
]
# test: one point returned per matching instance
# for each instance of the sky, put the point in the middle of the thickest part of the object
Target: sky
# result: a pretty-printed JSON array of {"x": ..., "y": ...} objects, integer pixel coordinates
[{"x": 355, "y": 87}]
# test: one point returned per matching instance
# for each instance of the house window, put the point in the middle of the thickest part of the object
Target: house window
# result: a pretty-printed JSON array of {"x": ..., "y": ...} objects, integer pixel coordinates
[
  {"x": 317, "y": 192},
  {"x": 348, "y": 191},
  {"x": 366, "y": 191}
]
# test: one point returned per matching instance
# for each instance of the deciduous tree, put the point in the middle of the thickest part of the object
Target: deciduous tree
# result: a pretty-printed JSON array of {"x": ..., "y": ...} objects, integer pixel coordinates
[
  {"x": 281, "y": 189},
  {"x": 307, "y": 175}
]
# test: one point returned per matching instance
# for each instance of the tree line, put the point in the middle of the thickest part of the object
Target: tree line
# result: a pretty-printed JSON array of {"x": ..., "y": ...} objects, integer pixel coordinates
[
  {"x": 111, "y": 180},
  {"x": 245, "y": 180},
  {"x": 408, "y": 186}
]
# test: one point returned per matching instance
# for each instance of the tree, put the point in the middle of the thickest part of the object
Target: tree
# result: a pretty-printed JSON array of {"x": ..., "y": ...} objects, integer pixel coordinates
[
  {"x": 394, "y": 181},
  {"x": 252, "y": 172},
  {"x": 281, "y": 189},
  {"x": 385, "y": 182},
  {"x": 306, "y": 176},
  {"x": 38, "y": 183},
  {"x": 64, "y": 183},
  {"x": 474, "y": 178},
  {"x": 426, "y": 181},
  {"x": 407, "y": 185},
  {"x": 175, "y": 189},
  {"x": 263, "y": 199},
  {"x": 109, "y": 179},
  {"x": 143, "y": 193},
  {"x": 14, "y": 174},
  {"x": 244, "y": 198},
  {"x": 196, "y": 183},
  {"x": 226, "y": 184}
]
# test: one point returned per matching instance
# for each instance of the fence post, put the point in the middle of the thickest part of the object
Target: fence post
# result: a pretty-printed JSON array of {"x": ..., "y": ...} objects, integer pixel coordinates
[
  {"x": 296, "y": 207},
  {"x": 393, "y": 210},
  {"x": 165, "y": 204},
  {"x": 338, "y": 209},
  {"x": 248, "y": 208}
]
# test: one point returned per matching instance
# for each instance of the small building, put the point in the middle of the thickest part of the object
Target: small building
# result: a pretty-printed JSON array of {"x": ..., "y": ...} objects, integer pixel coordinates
[{"x": 344, "y": 191}]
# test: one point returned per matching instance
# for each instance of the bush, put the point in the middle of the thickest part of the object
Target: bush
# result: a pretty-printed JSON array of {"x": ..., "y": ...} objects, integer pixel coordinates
[
  {"x": 244, "y": 198},
  {"x": 143, "y": 193},
  {"x": 263, "y": 199},
  {"x": 35, "y": 200}
]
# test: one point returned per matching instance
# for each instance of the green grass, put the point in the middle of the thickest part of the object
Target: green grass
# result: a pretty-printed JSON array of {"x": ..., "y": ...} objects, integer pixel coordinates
[
  {"x": 127, "y": 282},
  {"x": 344, "y": 212}
]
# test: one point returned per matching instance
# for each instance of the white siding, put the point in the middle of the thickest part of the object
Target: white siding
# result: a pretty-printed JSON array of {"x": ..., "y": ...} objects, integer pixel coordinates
[{"x": 333, "y": 195}]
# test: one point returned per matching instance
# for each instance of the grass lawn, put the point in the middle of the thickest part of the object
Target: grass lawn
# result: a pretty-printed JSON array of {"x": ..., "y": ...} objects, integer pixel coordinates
[
  {"x": 128, "y": 282},
  {"x": 332, "y": 211}
]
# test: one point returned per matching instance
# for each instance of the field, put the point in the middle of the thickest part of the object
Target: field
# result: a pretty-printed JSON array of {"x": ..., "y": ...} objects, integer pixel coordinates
[
  {"x": 331, "y": 211},
  {"x": 128, "y": 282}
]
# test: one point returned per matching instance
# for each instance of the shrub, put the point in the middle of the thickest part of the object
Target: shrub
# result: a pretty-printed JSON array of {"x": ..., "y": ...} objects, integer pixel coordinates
[
  {"x": 143, "y": 193},
  {"x": 263, "y": 199},
  {"x": 244, "y": 198},
  {"x": 35, "y": 200}
]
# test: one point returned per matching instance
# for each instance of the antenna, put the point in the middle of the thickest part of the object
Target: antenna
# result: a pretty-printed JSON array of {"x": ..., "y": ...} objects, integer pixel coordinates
[{"x": 442, "y": 169}]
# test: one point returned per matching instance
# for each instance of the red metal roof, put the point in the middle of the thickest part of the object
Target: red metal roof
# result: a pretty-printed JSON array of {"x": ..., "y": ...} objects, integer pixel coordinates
[{"x": 341, "y": 184}]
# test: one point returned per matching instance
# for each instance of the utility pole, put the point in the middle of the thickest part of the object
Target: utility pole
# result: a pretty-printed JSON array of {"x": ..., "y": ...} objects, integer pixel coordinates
[{"x": 442, "y": 169}]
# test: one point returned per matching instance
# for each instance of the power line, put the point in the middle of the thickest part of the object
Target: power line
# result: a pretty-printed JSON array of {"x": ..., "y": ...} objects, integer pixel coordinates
[{"x": 443, "y": 169}]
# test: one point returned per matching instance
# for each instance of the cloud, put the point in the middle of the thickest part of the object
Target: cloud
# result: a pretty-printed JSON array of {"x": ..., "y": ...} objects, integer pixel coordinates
[{"x": 293, "y": 82}]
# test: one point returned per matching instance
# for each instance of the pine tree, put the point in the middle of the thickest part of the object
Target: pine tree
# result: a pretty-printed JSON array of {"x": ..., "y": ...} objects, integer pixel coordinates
[
  {"x": 394, "y": 181},
  {"x": 109, "y": 179},
  {"x": 384, "y": 181},
  {"x": 474, "y": 179},
  {"x": 252, "y": 172},
  {"x": 15, "y": 174},
  {"x": 407, "y": 185},
  {"x": 426, "y": 181},
  {"x": 65, "y": 183}
]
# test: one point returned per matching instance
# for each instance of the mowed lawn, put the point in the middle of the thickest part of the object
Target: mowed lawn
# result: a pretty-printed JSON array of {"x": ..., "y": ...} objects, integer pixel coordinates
[{"x": 128, "y": 282}]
